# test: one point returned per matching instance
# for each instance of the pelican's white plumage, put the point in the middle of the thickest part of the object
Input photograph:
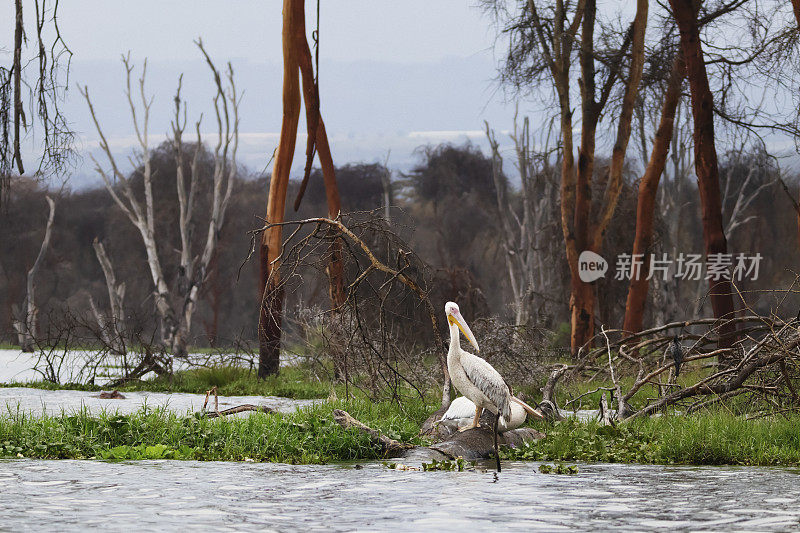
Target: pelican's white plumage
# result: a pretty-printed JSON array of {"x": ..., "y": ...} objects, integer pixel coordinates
[
  {"x": 472, "y": 376},
  {"x": 462, "y": 410}
]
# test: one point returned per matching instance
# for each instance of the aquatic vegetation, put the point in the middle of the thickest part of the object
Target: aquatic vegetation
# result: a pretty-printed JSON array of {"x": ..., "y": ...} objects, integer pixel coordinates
[
  {"x": 560, "y": 468},
  {"x": 456, "y": 465},
  {"x": 307, "y": 436},
  {"x": 708, "y": 439}
]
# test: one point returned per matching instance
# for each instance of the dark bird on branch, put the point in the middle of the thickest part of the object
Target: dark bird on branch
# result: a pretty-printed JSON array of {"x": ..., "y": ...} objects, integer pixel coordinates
[{"x": 675, "y": 352}]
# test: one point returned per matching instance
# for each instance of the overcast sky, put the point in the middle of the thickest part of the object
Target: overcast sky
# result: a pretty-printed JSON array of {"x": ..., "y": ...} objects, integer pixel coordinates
[{"x": 393, "y": 75}]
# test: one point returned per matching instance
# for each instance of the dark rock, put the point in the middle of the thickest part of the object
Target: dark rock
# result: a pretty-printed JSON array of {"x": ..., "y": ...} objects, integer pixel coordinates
[{"x": 478, "y": 443}]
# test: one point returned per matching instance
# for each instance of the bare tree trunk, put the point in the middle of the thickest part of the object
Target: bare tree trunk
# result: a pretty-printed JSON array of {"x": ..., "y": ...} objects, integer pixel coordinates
[
  {"x": 796, "y": 9},
  {"x": 583, "y": 297},
  {"x": 706, "y": 165},
  {"x": 271, "y": 293},
  {"x": 648, "y": 191},
  {"x": 388, "y": 197},
  {"x": 19, "y": 114},
  {"x": 525, "y": 251},
  {"x": 193, "y": 270},
  {"x": 113, "y": 333},
  {"x": 26, "y": 323},
  {"x": 296, "y": 58},
  {"x": 223, "y": 179},
  {"x": 319, "y": 137}
]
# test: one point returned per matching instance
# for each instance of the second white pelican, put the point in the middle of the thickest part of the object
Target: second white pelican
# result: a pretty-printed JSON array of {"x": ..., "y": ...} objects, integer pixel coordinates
[{"x": 462, "y": 410}]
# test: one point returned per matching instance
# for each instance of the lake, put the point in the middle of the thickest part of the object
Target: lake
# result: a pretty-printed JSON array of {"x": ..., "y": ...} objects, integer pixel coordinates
[{"x": 171, "y": 495}]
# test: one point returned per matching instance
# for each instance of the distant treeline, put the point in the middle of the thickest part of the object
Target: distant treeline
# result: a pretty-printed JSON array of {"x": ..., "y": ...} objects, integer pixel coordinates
[{"x": 447, "y": 208}]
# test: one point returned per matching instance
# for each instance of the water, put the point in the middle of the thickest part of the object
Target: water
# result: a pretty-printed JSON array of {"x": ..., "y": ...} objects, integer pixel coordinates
[
  {"x": 72, "y": 366},
  {"x": 38, "y": 401},
  {"x": 173, "y": 495}
]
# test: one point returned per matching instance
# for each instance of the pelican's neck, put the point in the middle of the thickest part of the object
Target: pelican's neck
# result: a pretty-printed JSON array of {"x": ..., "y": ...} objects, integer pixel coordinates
[{"x": 455, "y": 339}]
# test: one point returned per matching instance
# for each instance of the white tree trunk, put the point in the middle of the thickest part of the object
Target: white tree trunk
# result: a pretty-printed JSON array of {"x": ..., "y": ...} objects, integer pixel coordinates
[
  {"x": 176, "y": 308},
  {"x": 112, "y": 334},
  {"x": 26, "y": 322}
]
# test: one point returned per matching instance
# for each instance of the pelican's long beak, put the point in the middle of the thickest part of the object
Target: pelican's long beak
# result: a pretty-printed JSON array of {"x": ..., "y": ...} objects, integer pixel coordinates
[{"x": 459, "y": 321}]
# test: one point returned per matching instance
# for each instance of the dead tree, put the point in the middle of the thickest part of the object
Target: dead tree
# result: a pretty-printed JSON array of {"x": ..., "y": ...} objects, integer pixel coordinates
[
  {"x": 389, "y": 292},
  {"x": 388, "y": 191},
  {"x": 26, "y": 322},
  {"x": 706, "y": 165},
  {"x": 111, "y": 326},
  {"x": 32, "y": 89},
  {"x": 646, "y": 205},
  {"x": 524, "y": 231},
  {"x": 297, "y": 61},
  {"x": 541, "y": 47},
  {"x": 738, "y": 195},
  {"x": 764, "y": 368},
  {"x": 176, "y": 307}
]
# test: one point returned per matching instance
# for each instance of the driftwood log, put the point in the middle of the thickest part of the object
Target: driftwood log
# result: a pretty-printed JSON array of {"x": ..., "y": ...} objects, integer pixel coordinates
[
  {"x": 239, "y": 409},
  {"x": 474, "y": 444}
]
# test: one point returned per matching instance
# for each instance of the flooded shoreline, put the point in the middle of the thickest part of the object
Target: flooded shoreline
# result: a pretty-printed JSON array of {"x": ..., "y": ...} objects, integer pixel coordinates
[
  {"x": 149, "y": 495},
  {"x": 54, "y": 402}
]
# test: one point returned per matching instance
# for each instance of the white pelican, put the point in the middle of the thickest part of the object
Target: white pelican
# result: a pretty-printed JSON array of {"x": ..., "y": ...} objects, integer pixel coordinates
[
  {"x": 462, "y": 410},
  {"x": 474, "y": 377}
]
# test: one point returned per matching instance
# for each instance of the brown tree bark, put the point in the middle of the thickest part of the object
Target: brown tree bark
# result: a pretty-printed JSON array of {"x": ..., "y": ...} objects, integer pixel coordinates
[
  {"x": 297, "y": 61},
  {"x": 271, "y": 293},
  {"x": 706, "y": 164},
  {"x": 796, "y": 9},
  {"x": 319, "y": 137},
  {"x": 582, "y": 297},
  {"x": 19, "y": 114},
  {"x": 586, "y": 235},
  {"x": 648, "y": 189}
]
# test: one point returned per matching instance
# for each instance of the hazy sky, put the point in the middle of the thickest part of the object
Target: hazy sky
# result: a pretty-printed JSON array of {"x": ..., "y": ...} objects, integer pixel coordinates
[
  {"x": 393, "y": 75},
  {"x": 409, "y": 31}
]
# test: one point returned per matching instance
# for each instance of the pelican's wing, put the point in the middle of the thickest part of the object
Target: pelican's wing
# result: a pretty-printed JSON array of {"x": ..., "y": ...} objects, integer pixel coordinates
[{"x": 488, "y": 381}]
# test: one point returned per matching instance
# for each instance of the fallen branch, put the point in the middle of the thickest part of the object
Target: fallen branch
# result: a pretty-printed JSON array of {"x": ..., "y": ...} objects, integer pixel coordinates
[
  {"x": 390, "y": 447},
  {"x": 240, "y": 409}
]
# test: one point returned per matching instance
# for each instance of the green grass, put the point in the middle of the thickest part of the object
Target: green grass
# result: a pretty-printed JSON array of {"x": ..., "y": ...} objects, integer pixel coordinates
[
  {"x": 307, "y": 436},
  {"x": 293, "y": 382},
  {"x": 716, "y": 438},
  {"x": 311, "y": 436}
]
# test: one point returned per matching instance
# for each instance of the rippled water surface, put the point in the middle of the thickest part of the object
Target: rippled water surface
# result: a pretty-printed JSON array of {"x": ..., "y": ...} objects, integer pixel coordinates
[
  {"x": 37, "y": 401},
  {"x": 175, "y": 495}
]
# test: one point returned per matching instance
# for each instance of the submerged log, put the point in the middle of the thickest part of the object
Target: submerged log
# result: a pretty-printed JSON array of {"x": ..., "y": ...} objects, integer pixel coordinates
[
  {"x": 113, "y": 395},
  {"x": 473, "y": 444}
]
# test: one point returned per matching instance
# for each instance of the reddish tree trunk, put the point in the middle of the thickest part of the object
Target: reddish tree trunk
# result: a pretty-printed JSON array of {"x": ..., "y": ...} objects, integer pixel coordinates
[
  {"x": 296, "y": 61},
  {"x": 588, "y": 236},
  {"x": 705, "y": 155},
  {"x": 320, "y": 138},
  {"x": 582, "y": 294},
  {"x": 648, "y": 189},
  {"x": 271, "y": 293},
  {"x": 796, "y": 8}
]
